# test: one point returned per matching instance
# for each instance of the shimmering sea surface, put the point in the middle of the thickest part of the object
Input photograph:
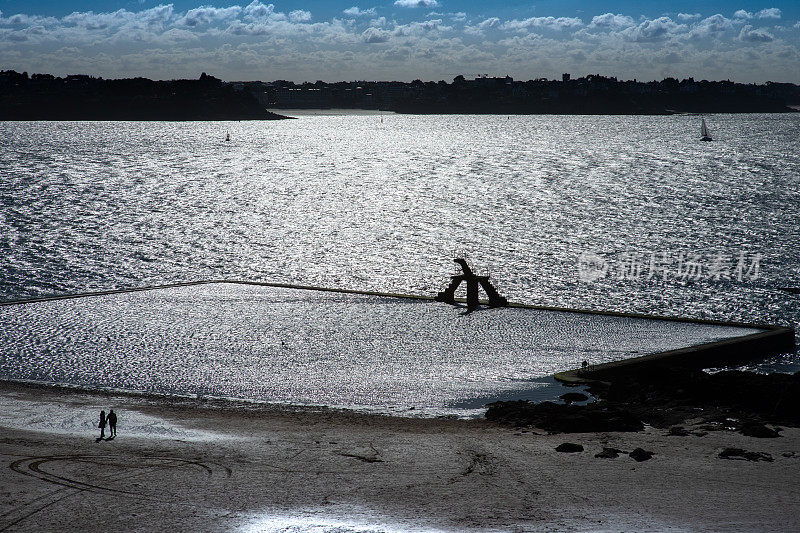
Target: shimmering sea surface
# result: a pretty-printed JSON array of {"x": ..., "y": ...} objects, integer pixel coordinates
[{"x": 678, "y": 227}]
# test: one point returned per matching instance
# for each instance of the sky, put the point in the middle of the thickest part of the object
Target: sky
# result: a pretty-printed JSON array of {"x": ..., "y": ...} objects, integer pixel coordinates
[{"x": 403, "y": 40}]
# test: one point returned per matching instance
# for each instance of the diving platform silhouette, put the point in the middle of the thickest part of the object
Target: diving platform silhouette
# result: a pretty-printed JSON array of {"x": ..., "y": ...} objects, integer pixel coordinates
[{"x": 473, "y": 282}]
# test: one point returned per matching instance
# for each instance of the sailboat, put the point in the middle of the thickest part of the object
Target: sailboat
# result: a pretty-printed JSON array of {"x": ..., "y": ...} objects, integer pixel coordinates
[{"x": 704, "y": 135}]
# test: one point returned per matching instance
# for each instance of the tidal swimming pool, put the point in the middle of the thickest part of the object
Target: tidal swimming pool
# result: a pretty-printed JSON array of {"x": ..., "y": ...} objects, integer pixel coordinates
[{"x": 309, "y": 347}]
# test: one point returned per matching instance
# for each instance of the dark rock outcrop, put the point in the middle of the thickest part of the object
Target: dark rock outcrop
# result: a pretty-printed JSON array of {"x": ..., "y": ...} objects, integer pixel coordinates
[
  {"x": 569, "y": 447},
  {"x": 668, "y": 397},
  {"x": 640, "y": 455},
  {"x": 738, "y": 453},
  {"x": 754, "y": 429},
  {"x": 570, "y": 397},
  {"x": 665, "y": 397},
  {"x": 558, "y": 418},
  {"x": 608, "y": 453}
]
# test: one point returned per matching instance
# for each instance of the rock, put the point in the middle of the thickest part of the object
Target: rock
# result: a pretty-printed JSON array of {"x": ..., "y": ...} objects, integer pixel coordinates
[
  {"x": 772, "y": 397},
  {"x": 640, "y": 455},
  {"x": 677, "y": 431},
  {"x": 570, "y": 397},
  {"x": 560, "y": 418},
  {"x": 608, "y": 453},
  {"x": 760, "y": 431},
  {"x": 738, "y": 453},
  {"x": 663, "y": 397},
  {"x": 569, "y": 447}
]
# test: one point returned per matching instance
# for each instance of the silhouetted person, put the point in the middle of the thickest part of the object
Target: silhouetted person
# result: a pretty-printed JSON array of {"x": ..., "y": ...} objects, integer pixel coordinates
[
  {"x": 102, "y": 425},
  {"x": 112, "y": 424}
]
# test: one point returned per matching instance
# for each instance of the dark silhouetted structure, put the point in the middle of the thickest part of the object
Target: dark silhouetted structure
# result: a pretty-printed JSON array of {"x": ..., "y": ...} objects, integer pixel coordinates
[
  {"x": 81, "y": 97},
  {"x": 473, "y": 280}
]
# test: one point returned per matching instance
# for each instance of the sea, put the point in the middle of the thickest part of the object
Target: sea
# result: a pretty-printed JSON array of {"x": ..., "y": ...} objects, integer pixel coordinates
[{"x": 613, "y": 213}]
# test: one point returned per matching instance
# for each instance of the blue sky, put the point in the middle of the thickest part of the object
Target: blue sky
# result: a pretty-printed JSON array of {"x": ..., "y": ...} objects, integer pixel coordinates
[{"x": 403, "y": 39}]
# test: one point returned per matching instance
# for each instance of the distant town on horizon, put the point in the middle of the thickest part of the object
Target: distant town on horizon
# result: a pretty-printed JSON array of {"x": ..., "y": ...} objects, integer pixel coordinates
[{"x": 80, "y": 96}]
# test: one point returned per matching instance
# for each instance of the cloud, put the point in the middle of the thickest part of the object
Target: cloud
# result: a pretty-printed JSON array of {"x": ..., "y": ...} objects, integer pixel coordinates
[
  {"x": 300, "y": 16},
  {"x": 258, "y": 11},
  {"x": 577, "y": 55},
  {"x": 751, "y": 35},
  {"x": 413, "y": 29},
  {"x": 375, "y": 35},
  {"x": 22, "y": 19},
  {"x": 358, "y": 12},
  {"x": 769, "y": 13},
  {"x": 158, "y": 15},
  {"x": 416, "y": 3},
  {"x": 208, "y": 14},
  {"x": 652, "y": 30},
  {"x": 742, "y": 14},
  {"x": 492, "y": 22},
  {"x": 712, "y": 25},
  {"x": 255, "y": 40},
  {"x": 552, "y": 23},
  {"x": 669, "y": 57},
  {"x": 612, "y": 21}
]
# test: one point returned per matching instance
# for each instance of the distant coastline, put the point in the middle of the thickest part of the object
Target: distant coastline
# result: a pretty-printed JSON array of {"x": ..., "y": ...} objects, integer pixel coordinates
[
  {"x": 45, "y": 97},
  {"x": 81, "y": 97},
  {"x": 589, "y": 95}
]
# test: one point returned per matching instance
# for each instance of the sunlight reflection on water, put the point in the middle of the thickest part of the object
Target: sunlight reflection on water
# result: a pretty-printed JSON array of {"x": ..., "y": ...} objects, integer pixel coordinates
[
  {"x": 292, "y": 346},
  {"x": 348, "y": 201}
]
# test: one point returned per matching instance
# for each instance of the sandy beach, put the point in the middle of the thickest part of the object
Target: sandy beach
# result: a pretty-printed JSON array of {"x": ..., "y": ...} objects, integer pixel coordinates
[{"x": 187, "y": 465}]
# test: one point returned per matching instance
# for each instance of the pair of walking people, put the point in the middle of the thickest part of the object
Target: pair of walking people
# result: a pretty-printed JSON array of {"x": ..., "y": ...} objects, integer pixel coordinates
[{"x": 111, "y": 420}]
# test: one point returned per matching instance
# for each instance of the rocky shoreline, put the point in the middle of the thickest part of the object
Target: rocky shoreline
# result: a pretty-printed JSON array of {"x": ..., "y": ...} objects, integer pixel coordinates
[{"x": 746, "y": 402}]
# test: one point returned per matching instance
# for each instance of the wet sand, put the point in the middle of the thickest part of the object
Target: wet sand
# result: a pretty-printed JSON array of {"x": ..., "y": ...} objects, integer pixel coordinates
[{"x": 188, "y": 465}]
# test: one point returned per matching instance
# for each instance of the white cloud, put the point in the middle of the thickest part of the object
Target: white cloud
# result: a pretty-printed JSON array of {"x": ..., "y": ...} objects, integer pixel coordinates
[
  {"x": 416, "y": 3},
  {"x": 300, "y": 16},
  {"x": 742, "y": 14},
  {"x": 26, "y": 20},
  {"x": 489, "y": 23},
  {"x": 769, "y": 13},
  {"x": 652, "y": 30},
  {"x": 610, "y": 20},
  {"x": 552, "y": 23},
  {"x": 258, "y": 42},
  {"x": 258, "y": 11},
  {"x": 375, "y": 35},
  {"x": 208, "y": 15},
  {"x": 158, "y": 15},
  {"x": 711, "y": 25},
  {"x": 752, "y": 35},
  {"x": 420, "y": 28},
  {"x": 358, "y": 12}
]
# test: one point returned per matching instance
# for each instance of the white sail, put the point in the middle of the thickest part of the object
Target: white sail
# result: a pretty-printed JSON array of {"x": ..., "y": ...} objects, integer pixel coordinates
[{"x": 704, "y": 135}]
